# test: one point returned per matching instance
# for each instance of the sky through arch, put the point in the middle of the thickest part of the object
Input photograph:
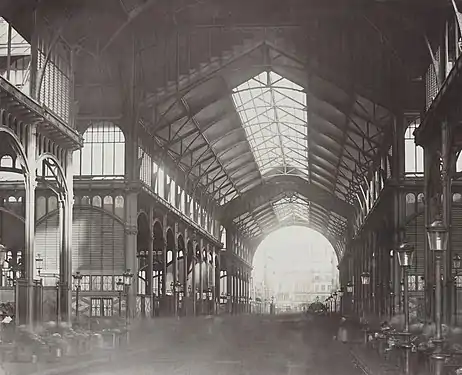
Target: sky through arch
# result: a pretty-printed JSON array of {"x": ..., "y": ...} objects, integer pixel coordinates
[{"x": 292, "y": 250}]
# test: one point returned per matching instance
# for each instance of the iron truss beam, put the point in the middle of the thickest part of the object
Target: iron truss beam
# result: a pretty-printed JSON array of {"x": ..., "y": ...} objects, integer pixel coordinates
[{"x": 278, "y": 185}]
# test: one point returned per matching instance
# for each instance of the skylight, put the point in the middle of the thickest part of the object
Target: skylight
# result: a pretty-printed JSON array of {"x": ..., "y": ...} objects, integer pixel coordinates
[
  {"x": 273, "y": 113},
  {"x": 291, "y": 208}
]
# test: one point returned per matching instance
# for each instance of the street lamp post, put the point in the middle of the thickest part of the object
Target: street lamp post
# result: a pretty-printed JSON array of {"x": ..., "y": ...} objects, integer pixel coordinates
[
  {"x": 120, "y": 287},
  {"x": 456, "y": 264},
  {"x": 349, "y": 290},
  {"x": 127, "y": 281},
  {"x": 78, "y": 278},
  {"x": 365, "y": 281},
  {"x": 438, "y": 240},
  {"x": 38, "y": 263},
  {"x": 335, "y": 302},
  {"x": 405, "y": 257},
  {"x": 340, "y": 295}
]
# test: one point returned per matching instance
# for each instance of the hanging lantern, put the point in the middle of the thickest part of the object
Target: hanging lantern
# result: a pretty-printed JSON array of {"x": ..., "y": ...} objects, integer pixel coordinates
[
  {"x": 437, "y": 236},
  {"x": 349, "y": 287},
  {"x": 405, "y": 254},
  {"x": 365, "y": 278}
]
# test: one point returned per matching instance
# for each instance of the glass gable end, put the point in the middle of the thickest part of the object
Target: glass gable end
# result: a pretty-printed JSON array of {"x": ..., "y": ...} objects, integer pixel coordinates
[
  {"x": 274, "y": 116},
  {"x": 293, "y": 207}
]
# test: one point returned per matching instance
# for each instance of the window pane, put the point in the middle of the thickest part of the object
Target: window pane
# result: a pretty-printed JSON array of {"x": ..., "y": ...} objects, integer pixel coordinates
[
  {"x": 97, "y": 159},
  {"x": 96, "y": 283},
  {"x": 107, "y": 283},
  {"x": 85, "y": 283},
  {"x": 108, "y": 163},
  {"x": 96, "y": 307},
  {"x": 76, "y": 161},
  {"x": 119, "y": 160},
  {"x": 107, "y": 306}
]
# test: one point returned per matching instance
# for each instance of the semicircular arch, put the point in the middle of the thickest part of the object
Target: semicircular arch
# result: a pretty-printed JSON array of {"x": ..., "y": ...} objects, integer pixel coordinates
[
  {"x": 17, "y": 146},
  {"x": 333, "y": 241},
  {"x": 59, "y": 168}
]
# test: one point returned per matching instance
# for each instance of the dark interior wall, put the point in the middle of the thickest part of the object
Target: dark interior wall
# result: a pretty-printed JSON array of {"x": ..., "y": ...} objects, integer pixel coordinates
[{"x": 11, "y": 231}]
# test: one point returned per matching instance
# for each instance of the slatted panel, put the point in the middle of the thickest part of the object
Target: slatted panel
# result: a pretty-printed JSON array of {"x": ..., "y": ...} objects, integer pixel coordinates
[
  {"x": 431, "y": 83},
  {"x": 98, "y": 242},
  {"x": 456, "y": 229},
  {"x": 415, "y": 234},
  {"x": 54, "y": 88},
  {"x": 47, "y": 243}
]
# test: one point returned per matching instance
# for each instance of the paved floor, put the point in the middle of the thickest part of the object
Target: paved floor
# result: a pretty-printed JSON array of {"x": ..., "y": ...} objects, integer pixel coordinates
[{"x": 250, "y": 345}]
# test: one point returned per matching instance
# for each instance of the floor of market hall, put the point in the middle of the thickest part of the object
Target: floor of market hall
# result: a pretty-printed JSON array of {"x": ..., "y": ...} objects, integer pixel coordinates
[{"x": 247, "y": 345}]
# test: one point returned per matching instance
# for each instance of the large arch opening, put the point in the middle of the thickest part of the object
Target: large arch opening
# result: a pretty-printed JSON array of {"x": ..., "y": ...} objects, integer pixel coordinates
[
  {"x": 142, "y": 241},
  {"x": 12, "y": 210},
  {"x": 293, "y": 267}
]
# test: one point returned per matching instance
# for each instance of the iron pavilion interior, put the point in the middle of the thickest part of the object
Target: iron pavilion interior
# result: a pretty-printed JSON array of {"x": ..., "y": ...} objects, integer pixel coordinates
[{"x": 147, "y": 148}]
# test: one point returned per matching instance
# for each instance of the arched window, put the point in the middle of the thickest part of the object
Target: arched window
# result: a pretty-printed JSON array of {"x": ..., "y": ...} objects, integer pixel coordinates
[
  {"x": 459, "y": 162},
  {"x": 97, "y": 201},
  {"x": 108, "y": 203},
  {"x": 103, "y": 152},
  {"x": 414, "y": 155},
  {"x": 119, "y": 206},
  {"x": 6, "y": 161},
  {"x": 410, "y": 204}
]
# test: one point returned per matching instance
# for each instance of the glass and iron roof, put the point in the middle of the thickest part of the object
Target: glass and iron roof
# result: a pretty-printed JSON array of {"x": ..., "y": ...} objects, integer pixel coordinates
[
  {"x": 235, "y": 142},
  {"x": 274, "y": 116},
  {"x": 291, "y": 207}
]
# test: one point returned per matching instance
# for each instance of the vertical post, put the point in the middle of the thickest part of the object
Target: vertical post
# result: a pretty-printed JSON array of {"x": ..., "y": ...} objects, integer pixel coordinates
[
  {"x": 164, "y": 265},
  {"x": 428, "y": 257},
  {"x": 77, "y": 302},
  {"x": 438, "y": 341},
  {"x": 456, "y": 307},
  {"x": 206, "y": 278},
  {"x": 447, "y": 204},
  {"x": 213, "y": 281},
  {"x": 201, "y": 277},
  {"x": 64, "y": 271},
  {"x": 229, "y": 286},
  {"x": 185, "y": 273},
  {"x": 68, "y": 218},
  {"x": 407, "y": 358},
  {"x": 175, "y": 272},
  {"x": 30, "y": 223},
  {"x": 131, "y": 231},
  {"x": 58, "y": 302},
  {"x": 8, "y": 52},
  {"x": 193, "y": 275},
  {"x": 150, "y": 265}
]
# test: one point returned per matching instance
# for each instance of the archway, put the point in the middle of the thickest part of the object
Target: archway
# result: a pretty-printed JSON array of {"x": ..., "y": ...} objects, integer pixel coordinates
[
  {"x": 12, "y": 217},
  {"x": 12, "y": 213},
  {"x": 293, "y": 266},
  {"x": 158, "y": 267},
  {"x": 170, "y": 268},
  {"x": 142, "y": 247},
  {"x": 190, "y": 266},
  {"x": 181, "y": 274},
  {"x": 197, "y": 278}
]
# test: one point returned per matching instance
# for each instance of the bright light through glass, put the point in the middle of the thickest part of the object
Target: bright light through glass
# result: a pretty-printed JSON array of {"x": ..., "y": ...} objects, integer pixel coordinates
[
  {"x": 293, "y": 208},
  {"x": 273, "y": 113},
  {"x": 296, "y": 265}
]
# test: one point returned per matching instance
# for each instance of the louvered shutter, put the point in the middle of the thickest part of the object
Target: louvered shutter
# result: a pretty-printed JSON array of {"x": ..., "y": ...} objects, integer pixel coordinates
[{"x": 48, "y": 243}]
